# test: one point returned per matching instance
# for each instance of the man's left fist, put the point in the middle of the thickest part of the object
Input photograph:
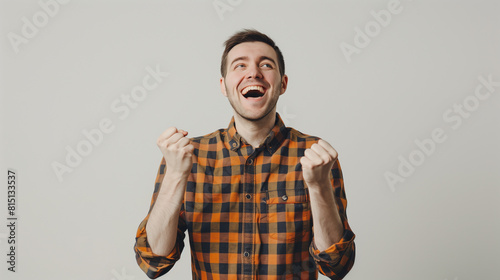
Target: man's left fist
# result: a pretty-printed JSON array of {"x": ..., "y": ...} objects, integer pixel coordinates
[{"x": 317, "y": 163}]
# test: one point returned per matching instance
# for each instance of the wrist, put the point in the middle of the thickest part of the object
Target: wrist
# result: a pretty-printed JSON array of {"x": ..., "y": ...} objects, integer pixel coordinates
[
  {"x": 323, "y": 185},
  {"x": 173, "y": 185},
  {"x": 175, "y": 176},
  {"x": 322, "y": 191}
]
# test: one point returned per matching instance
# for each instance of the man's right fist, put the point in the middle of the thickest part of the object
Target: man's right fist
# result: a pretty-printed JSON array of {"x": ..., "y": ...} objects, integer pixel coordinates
[{"x": 177, "y": 151}]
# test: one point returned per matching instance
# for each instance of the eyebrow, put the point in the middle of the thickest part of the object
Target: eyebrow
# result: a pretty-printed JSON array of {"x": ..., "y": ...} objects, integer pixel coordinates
[{"x": 246, "y": 58}]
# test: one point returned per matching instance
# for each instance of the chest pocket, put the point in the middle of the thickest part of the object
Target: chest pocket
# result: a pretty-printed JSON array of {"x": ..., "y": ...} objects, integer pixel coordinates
[{"x": 288, "y": 215}]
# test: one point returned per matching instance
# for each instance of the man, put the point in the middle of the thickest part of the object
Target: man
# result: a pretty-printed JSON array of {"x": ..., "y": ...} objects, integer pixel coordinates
[{"x": 259, "y": 200}]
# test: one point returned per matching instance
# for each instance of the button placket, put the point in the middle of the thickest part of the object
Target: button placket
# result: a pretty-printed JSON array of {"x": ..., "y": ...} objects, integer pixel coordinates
[{"x": 248, "y": 214}]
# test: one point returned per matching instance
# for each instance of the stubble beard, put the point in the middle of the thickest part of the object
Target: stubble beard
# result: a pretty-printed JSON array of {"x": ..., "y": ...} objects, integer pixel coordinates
[{"x": 241, "y": 114}]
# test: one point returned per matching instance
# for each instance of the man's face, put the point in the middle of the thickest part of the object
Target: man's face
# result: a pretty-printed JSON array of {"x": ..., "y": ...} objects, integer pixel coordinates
[{"x": 253, "y": 82}]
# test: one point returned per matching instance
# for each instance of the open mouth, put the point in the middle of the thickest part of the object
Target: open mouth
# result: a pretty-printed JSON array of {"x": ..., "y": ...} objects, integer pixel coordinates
[{"x": 253, "y": 91}]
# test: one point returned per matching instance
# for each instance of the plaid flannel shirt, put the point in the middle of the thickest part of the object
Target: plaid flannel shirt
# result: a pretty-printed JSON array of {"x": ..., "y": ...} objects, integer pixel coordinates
[{"x": 247, "y": 212}]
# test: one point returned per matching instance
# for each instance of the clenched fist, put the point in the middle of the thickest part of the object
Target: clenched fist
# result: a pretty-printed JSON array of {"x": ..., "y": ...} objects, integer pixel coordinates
[
  {"x": 317, "y": 163},
  {"x": 176, "y": 150}
]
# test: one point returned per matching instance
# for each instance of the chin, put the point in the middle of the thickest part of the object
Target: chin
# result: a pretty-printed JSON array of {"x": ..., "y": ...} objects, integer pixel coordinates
[{"x": 255, "y": 117}]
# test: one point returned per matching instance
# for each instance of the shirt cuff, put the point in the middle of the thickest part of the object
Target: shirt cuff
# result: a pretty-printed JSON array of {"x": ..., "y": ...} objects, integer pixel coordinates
[
  {"x": 333, "y": 254},
  {"x": 148, "y": 253}
]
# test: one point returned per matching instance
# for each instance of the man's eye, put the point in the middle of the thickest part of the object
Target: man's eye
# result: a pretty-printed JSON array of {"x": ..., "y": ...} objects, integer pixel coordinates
[
  {"x": 239, "y": 66},
  {"x": 267, "y": 65}
]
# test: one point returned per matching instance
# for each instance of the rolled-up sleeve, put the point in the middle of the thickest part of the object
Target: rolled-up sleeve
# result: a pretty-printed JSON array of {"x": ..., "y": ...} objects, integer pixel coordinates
[
  {"x": 337, "y": 260},
  {"x": 155, "y": 265},
  {"x": 152, "y": 264}
]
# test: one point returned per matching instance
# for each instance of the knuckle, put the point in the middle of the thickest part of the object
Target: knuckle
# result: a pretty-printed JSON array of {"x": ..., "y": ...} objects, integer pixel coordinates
[
  {"x": 171, "y": 147},
  {"x": 170, "y": 131}
]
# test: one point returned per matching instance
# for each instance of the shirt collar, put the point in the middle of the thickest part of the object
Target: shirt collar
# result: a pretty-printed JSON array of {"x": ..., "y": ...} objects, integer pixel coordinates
[{"x": 273, "y": 140}]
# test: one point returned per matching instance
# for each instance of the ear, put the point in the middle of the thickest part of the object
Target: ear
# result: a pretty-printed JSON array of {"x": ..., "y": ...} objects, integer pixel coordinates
[
  {"x": 284, "y": 84},
  {"x": 223, "y": 87}
]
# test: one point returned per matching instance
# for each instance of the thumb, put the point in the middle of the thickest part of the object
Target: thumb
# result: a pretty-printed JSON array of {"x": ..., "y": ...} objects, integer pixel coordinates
[{"x": 183, "y": 132}]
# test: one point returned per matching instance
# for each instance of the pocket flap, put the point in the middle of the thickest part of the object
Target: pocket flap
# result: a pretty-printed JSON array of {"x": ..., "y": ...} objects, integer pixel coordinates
[{"x": 287, "y": 196}]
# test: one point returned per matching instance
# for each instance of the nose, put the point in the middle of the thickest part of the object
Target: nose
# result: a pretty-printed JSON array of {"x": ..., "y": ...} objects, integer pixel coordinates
[{"x": 254, "y": 72}]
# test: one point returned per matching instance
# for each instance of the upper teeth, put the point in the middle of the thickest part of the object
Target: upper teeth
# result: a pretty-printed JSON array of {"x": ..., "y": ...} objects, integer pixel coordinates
[{"x": 249, "y": 88}]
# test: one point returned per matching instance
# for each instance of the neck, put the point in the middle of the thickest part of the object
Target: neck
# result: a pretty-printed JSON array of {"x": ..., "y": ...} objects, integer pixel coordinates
[{"x": 254, "y": 132}]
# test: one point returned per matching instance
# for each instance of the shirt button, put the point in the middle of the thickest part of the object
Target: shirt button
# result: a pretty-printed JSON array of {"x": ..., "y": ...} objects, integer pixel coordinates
[
  {"x": 234, "y": 144},
  {"x": 248, "y": 196},
  {"x": 250, "y": 161},
  {"x": 284, "y": 197},
  {"x": 246, "y": 254}
]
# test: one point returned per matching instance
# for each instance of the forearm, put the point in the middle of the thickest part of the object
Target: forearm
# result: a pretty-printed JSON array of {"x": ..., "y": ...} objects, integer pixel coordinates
[
  {"x": 328, "y": 227},
  {"x": 163, "y": 219},
  {"x": 333, "y": 246}
]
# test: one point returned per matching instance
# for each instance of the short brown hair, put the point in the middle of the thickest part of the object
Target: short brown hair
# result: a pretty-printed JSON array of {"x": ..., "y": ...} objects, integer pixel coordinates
[{"x": 250, "y": 35}]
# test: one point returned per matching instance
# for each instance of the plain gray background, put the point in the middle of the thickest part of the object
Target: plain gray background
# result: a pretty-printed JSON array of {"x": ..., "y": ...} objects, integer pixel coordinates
[{"x": 440, "y": 223}]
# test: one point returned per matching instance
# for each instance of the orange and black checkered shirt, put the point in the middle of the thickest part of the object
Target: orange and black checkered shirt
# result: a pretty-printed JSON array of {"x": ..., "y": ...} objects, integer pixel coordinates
[{"x": 247, "y": 212}]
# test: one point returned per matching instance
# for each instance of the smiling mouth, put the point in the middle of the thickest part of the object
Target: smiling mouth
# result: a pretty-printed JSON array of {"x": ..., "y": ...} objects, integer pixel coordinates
[{"x": 253, "y": 91}]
